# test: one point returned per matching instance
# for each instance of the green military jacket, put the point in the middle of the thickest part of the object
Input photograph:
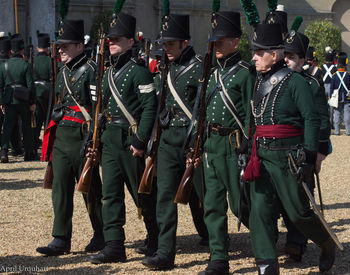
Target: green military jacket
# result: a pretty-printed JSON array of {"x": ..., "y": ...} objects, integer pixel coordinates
[
  {"x": 185, "y": 73},
  {"x": 290, "y": 102},
  {"x": 42, "y": 74},
  {"x": 137, "y": 90},
  {"x": 83, "y": 88},
  {"x": 21, "y": 73},
  {"x": 322, "y": 108},
  {"x": 239, "y": 87}
]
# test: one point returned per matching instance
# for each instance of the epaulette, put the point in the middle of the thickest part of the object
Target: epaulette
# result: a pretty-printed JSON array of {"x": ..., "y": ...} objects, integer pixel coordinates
[
  {"x": 92, "y": 64},
  {"x": 249, "y": 66}
]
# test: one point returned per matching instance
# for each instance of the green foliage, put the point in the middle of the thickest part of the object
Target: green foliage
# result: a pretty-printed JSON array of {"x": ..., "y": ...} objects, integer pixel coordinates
[
  {"x": 215, "y": 5},
  {"x": 323, "y": 33},
  {"x": 251, "y": 12},
  {"x": 244, "y": 45},
  {"x": 105, "y": 18}
]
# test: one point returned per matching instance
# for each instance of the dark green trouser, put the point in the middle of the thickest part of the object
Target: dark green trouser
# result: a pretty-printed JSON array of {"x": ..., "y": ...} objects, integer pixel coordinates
[
  {"x": 221, "y": 177},
  {"x": 67, "y": 166},
  {"x": 170, "y": 168},
  {"x": 11, "y": 116},
  {"x": 40, "y": 117},
  {"x": 119, "y": 167},
  {"x": 278, "y": 183}
]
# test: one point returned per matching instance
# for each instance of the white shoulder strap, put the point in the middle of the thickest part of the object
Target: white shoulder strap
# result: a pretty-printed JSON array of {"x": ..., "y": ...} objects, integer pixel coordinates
[
  {"x": 341, "y": 78},
  {"x": 328, "y": 71},
  {"x": 82, "y": 109},
  {"x": 177, "y": 98}
]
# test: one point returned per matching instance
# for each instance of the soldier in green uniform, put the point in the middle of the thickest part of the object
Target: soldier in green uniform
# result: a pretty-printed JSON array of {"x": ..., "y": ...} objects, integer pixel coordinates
[
  {"x": 285, "y": 117},
  {"x": 41, "y": 75},
  {"x": 228, "y": 115},
  {"x": 182, "y": 83},
  {"x": 296, "y": 44},
  {"x": 17, "y": 97},
  {"x": 129, "y": 105},
  {"x": 5, "y": 47},
  {"x": 75, "y": 90}
]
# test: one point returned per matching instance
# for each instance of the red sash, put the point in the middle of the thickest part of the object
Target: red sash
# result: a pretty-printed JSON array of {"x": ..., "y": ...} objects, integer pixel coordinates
[
  {"x": 50, "y": 134},
  {"x": 252, "y": 171}
]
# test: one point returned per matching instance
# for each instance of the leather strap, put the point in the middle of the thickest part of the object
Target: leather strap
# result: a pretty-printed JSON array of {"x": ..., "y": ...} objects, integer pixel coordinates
[
  {"x": 6, "y": 64},
  {"x": 120, "y": 103},
  {"x": 116, "y": 78}
]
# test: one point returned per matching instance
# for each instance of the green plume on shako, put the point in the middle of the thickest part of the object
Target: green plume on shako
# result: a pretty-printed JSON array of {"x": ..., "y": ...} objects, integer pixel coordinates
[
  {"x": 296, "y": 23},
  {"x": 251, "y": 12}
]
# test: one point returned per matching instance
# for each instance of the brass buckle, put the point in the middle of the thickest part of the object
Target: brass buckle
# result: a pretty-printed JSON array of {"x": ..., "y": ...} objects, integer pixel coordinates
[
  {"x": 237, "y": 137},
  {"x": 132, "y": 130}
]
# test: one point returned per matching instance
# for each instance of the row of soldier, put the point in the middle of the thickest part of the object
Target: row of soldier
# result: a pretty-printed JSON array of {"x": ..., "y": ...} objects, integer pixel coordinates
[{"x": 283, "y": 106}]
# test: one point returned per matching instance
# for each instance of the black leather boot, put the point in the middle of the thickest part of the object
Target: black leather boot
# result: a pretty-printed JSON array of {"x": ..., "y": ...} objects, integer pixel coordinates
[
  {"x": 159, "y": 262},
  {"x": 268, "y": 267},
  {"x": 59, "y": 246},
  {"x": 4, "y": 156},
  {"x": 97, "y": 243},
  {"x": 294, "y": 251},
  {"x": 217, "y": 267},
  {"x": 327, "y": 256},
  {"x": 113, "y": 252}
]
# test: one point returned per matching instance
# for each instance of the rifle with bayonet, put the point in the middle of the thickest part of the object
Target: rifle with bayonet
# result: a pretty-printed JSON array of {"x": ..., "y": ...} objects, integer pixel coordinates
[
  {"x": 48, "y": 178},
  {"x": 184, "y": 191},
  {"x": 145, "y": 186},
  {"x": 91, "y": 161}
]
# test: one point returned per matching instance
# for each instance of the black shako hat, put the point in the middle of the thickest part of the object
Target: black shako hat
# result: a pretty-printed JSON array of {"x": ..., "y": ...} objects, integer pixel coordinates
[
  {"x": 175, "y": 27},
  {"x": 267, "y": 37},
  {"x": 122, "y": 25},
  {"x": 296, "y": 42},
  {"x": 43, "y": 40},
  {"x": 342, "y": 59},
  {"x": 5, "y": 44},
  {"x": 70, "y": 31},
  {"x": 17, "y": 44},
  {"x": 277, "y": 17},
  {"x": 329, "y": 56},
  {"x": 310, "y": 53},
  {"x": 225, "y": 24}
]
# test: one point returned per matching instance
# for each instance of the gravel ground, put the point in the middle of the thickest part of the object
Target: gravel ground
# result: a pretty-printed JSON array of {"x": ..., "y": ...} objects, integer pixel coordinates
[{"x": 26, "y": 218}]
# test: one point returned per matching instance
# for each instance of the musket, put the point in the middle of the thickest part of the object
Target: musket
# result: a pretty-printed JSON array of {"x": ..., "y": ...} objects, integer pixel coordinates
[
  {"x": 186, "y": 184},
  {"x": 145, "y": 186},
  {"x": 86, "y": 175},
  {"x": 298, "y": 171},
  {"x": 48, "y": 178},
  {"x": 53, "y": 78},
  {"x": 147, "y": 50},
  {"x": 242, "y": 163},
  {"x": 319, "y": 190}
]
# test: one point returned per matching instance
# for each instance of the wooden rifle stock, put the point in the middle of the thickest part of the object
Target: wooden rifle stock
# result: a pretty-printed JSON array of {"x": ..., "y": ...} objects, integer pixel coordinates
[
  {"x": 185, "y": 188},
  {"x": 145, "y": 186},
  {"x": 86, "y": 175},
  {"x": 186, "y": 184},
  {"x": 48, "y": 178}
]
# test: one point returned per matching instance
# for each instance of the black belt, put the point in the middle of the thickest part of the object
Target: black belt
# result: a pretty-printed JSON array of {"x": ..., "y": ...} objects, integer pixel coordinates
[
  {"x": 277, "y": 148},
  {"x": 116, "y": 119},
  {"x": 221, "y": 131},
  {"x": 69, "y": 112},
  {"x": 178, "y": 114}
]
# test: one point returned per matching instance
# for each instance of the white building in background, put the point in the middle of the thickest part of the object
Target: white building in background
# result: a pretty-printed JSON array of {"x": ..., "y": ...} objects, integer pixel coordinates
[{"x": 42, "y": 15}]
